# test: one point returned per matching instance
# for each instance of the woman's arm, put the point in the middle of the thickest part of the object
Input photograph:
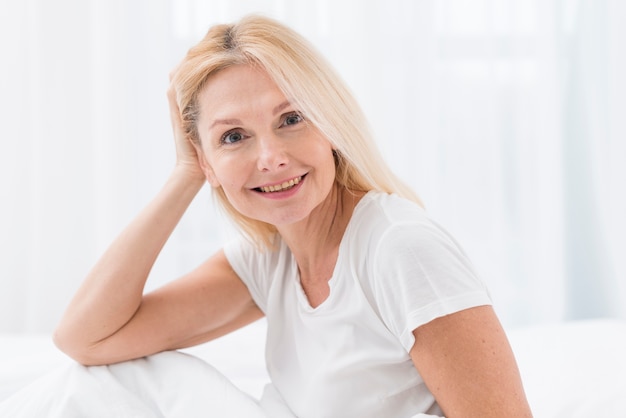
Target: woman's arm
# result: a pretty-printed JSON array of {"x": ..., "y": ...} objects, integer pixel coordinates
[
  {"x": 467, "y": 363},
  {"x": 109, "y": 319}
]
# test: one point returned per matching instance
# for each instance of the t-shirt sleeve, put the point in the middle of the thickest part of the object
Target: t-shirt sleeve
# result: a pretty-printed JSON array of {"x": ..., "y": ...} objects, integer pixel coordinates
[
  {"x": 421, "y": 273},
  {"x": 250, "y": 265}
]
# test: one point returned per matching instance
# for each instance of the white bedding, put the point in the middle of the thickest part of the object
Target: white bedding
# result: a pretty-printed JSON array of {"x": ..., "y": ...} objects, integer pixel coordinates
[
  {"x": 239, "y": 356},
  {"x": 569, "y": 370}
]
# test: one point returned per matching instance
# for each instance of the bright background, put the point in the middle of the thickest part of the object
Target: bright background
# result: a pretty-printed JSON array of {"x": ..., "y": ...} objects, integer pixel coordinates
[{"x": 508, "y": 117}]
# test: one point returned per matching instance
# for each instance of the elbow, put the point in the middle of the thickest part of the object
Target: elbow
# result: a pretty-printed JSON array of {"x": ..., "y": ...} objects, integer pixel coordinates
[
  {"x": 78, "y": 351},
  {"x": 61, "y": 341}
]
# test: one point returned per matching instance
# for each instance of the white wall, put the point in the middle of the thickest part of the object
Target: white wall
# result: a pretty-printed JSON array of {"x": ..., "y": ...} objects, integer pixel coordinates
[{"x": 506, "y": 116}]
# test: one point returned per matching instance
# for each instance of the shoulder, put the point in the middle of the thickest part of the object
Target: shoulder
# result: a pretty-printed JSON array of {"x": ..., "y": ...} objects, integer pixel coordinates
[
  {"x": 384, "y": 222},
  {"x": 259, "y": 268},
  {"x": 389, "y": 207},
  {"x": 399, "y": 234},
  {"x": 378, "y": 211},
  {"x": 411, "y": 266},
  {"x": 394, "y": 243},
  {"x": 242, "y": 251}
]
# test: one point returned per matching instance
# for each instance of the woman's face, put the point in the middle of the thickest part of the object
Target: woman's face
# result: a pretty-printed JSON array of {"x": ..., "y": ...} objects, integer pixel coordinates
[{"x": 272, "y": 165}]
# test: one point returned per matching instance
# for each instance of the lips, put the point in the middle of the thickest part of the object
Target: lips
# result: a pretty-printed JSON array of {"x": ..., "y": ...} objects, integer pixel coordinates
[{"x": 286, "y": 185}]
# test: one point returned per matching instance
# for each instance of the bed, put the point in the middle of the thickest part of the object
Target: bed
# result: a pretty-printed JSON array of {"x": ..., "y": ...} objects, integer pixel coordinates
[{"x": 574, "y": 369}]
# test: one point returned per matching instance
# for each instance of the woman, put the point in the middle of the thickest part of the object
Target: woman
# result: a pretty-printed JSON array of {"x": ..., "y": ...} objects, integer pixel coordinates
[{"x": 372, "y": 308}]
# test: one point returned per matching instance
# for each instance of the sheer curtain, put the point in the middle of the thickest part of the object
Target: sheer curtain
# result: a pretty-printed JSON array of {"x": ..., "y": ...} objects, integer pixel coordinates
[{"x": 507, "y": 117}]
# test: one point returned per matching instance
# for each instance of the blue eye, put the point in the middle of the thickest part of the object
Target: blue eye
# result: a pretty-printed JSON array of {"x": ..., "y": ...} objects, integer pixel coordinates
[
  {"x": 231, "y": 137},
  {"x": 293, "y": 119}
]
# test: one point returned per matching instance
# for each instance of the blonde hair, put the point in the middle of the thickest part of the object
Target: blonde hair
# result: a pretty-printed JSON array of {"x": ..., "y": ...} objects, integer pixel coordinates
[{"x": 309, "y": 82}]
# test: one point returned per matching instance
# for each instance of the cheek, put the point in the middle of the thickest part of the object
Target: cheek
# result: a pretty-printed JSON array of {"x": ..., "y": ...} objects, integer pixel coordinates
[
  {"x": 226, "y": 171},
  {"x": 227, "y": 180},
  {"x": 324, "y": 155}
]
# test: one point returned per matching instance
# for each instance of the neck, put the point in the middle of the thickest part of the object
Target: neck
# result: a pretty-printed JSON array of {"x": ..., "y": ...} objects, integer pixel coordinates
[{"x": 315, "y": 241}]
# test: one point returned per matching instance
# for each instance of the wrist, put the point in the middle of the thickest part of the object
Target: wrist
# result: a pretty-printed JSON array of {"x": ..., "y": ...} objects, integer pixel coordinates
[{"x": 191, "y": 175}]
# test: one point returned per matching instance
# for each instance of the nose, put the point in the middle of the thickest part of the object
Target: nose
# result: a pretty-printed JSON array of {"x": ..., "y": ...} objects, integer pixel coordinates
[{"x": 272, "y": 153}]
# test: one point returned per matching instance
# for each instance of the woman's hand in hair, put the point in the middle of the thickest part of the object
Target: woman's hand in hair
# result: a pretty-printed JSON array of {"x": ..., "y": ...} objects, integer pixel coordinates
[{"x": 186, "y": 153}]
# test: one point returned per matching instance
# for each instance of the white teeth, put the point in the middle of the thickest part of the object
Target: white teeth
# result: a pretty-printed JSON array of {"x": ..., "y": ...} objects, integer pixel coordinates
[{"x": 280, "y": 187}]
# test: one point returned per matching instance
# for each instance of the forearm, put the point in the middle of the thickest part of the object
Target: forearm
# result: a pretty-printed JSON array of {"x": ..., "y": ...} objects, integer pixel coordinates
[{"x": 112, "y": 291}]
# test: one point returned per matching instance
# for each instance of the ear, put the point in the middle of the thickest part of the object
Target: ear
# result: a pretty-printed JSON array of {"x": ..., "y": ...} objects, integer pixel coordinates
[{"x": 206, "y": 167}]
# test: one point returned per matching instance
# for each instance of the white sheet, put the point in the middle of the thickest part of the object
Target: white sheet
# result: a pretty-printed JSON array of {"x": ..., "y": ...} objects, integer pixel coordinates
[
  {"x": 169, "y": 384},
  {"x": 569, "y": 370},
  {"x": 24, "y": 358}
]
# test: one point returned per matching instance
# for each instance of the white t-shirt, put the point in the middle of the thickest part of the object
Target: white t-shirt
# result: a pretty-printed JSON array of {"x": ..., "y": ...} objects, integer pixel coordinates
[{"x": 396, "y": 270}]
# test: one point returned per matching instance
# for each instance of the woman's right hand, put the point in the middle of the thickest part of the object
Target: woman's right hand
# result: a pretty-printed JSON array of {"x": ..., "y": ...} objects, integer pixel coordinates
[{"x": 186, "y": 151}]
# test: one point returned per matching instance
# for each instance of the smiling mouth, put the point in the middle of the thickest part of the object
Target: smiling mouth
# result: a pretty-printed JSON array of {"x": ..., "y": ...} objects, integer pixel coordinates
[{"x": 280, "y": 187}]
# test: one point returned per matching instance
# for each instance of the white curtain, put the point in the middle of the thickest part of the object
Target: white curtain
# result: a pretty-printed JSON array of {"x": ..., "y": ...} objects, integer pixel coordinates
[{"x": 508, "y": 117}]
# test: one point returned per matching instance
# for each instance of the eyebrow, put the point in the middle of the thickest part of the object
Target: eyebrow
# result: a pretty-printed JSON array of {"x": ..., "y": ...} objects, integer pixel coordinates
[
  {"x": 225, "y": 122},
  {"x": 281, "y": 106},
  {"x": 276, "y": 109}
]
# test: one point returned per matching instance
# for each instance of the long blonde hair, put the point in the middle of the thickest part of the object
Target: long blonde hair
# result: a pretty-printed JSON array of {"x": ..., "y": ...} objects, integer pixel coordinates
[{"x": 309, "y": 82}]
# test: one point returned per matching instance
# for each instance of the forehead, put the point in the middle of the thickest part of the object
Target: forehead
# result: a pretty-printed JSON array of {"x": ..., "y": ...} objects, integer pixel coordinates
[{"x": 238, "y": 89}]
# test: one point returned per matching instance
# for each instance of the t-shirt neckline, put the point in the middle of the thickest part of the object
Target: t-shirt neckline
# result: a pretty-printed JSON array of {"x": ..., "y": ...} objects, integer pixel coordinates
[{"x": 334, "y": 281}]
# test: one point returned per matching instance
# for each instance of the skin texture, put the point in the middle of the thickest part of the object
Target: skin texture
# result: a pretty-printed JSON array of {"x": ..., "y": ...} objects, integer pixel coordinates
[
  {"x": 467, "y": 363},
  {"x": 274, "y": 146},
  {"x": 252, "y": 137},
  {"x": 268, "y": 144}
]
